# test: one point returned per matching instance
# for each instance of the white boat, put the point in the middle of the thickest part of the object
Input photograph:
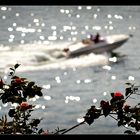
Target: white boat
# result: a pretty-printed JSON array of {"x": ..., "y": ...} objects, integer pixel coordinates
[{"x": 106, "y": 44}]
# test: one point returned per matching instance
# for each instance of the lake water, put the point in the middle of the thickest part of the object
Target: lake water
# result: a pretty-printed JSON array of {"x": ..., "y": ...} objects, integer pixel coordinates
[{"x": 28, "y": 33}]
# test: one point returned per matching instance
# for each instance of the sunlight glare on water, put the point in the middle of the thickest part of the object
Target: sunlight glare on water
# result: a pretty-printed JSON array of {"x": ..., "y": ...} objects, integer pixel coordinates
[{"x": 36, "y": 36}]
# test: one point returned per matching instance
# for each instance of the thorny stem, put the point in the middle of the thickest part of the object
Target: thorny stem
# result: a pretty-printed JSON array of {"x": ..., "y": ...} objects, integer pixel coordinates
[
  {"x": 79, "y": 125},
  {"x": 73, "y": 127},
  {"x": 85, "y": 121},
  {"x": 100, "y": 115}
]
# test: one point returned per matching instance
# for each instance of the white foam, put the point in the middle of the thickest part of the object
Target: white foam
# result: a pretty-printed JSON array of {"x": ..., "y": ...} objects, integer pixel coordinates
[
  {"x": 84, "y": 61},
  {"x": 40, "y": 56}
]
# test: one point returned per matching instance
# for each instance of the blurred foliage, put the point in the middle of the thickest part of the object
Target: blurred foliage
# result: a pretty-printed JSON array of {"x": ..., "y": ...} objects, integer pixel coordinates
[
  {"x": 20, "y": 90},
  {"x": 126, "y": 115}
]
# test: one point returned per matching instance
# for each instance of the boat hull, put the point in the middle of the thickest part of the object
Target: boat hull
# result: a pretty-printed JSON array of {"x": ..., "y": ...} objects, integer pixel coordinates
[{"x": 112, "y": 42}]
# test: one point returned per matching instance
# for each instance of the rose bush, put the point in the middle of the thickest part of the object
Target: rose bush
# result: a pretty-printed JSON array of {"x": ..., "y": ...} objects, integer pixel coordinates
[{"x": 19, "y": 90}]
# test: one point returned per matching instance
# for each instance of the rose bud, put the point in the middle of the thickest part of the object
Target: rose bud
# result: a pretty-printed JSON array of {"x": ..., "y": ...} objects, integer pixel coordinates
[
  {"x": 104, "y": 104},
  {"x": 1, "y": 84},
  {"x": 118, "y": 95},
  {"x": 24, "y": 106},
  {"x": 126, "y": 108},
  {"x": 45, "y": 132}
]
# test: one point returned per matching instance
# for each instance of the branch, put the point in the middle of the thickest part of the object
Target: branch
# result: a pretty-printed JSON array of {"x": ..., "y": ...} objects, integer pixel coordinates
[{"x": 73, "y": 127}]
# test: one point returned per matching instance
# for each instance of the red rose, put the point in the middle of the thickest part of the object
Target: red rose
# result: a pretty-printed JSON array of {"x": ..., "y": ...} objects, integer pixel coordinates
[
  {"x": 24, "y": 106},
  {"x": 18, "y": 81},
  {"x": 45, "y": 133},
  {"x": 118, "y": 95}
]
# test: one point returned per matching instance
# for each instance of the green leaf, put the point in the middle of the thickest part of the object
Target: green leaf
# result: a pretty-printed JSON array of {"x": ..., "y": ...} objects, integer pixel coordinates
[
  {"x": 127, "y": 91},
  {"x": 128, "y": 83},
  {"x": 120, "y": 123},
  {"x": 14, "y": 77},
  {"x": 12, "y": 69},
  {"x": 35, "y": 122},
  {"x": 106, "y": 112},
  {"x": 16, "y": 66},
  {"x": 40, "y": 131},
  {"x": 30, "y": 84},
  {"x": 11, "y": 112},
  {"x": 89, "y": 119},
  {"x": 112, "y": 94},
  {"x": 128, "y": 132},
  {"x": 11, "y": 73}
]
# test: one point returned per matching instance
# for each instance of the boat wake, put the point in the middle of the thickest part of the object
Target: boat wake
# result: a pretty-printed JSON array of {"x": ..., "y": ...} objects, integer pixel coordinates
[{"x": 40, "y": 56}]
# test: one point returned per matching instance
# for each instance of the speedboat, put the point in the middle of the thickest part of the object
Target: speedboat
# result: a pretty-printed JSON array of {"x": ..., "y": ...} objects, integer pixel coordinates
[{"x": 106, "y": 44}]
